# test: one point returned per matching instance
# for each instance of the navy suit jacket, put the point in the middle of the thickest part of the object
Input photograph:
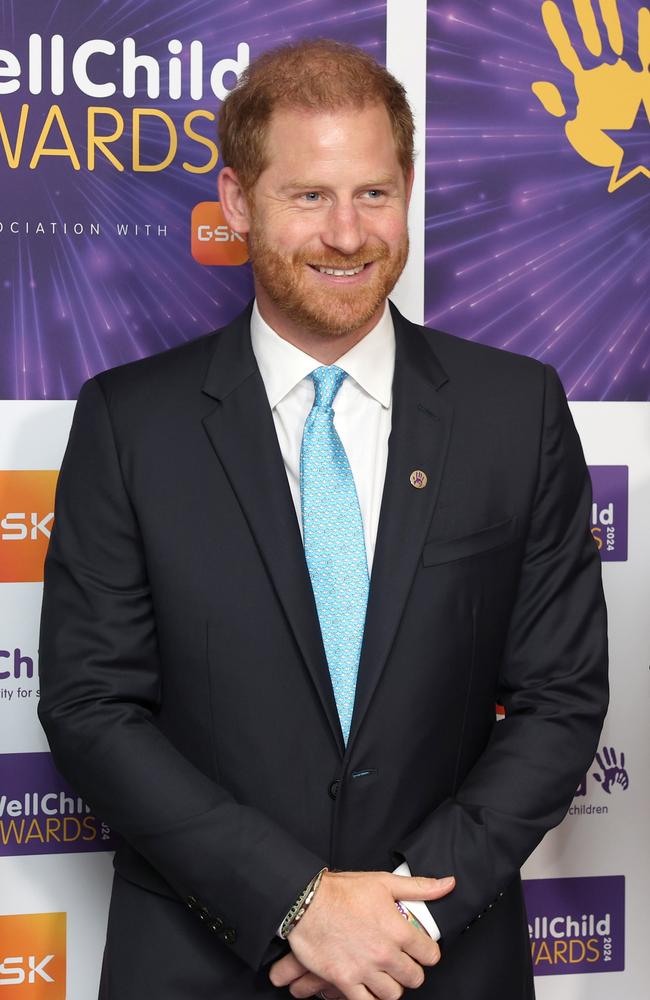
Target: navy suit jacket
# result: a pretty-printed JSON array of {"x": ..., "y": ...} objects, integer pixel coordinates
[{"x": 186, "y": 694}]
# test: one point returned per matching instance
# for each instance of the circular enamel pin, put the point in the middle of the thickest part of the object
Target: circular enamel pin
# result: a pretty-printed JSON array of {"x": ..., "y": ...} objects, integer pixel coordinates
[{"x": 418, "y": 478}]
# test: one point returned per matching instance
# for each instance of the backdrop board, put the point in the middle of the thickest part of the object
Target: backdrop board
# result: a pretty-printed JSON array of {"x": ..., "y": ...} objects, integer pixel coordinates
[
  {"x": 528, "y": 231},
  {"x": 109, "y": 141},
  {"x": 537, "y": 186},
  {"x": 537, "y": 200}
]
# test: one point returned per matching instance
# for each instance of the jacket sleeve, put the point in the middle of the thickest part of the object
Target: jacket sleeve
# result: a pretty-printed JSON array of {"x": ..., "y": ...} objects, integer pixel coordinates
[
  {"x": 553, "y": 683},
  {"x": 100, "y": 691}
]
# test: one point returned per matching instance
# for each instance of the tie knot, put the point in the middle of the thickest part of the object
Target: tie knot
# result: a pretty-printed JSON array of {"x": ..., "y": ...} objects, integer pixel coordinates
[{"x": 327, "y": 381}]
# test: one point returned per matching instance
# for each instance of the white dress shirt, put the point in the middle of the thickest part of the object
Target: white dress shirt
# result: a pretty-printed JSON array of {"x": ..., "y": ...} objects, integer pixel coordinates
[{"x": 362, "y": 417}]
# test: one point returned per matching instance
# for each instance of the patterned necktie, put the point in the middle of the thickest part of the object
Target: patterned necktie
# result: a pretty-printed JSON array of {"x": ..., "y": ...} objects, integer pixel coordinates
[{"x": 334, "y": 542}]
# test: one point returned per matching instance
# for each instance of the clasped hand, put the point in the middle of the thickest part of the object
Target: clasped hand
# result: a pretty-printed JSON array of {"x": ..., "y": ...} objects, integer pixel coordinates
[{"x": 353, "y": 942}]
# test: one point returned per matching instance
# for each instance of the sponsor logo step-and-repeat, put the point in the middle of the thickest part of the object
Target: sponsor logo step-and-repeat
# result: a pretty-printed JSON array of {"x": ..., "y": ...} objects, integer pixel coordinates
[{"x": 114, "y": 248}]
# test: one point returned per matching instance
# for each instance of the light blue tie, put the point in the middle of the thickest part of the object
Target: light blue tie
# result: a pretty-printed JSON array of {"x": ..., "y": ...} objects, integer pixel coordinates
[{"x": 334, "y": 542}]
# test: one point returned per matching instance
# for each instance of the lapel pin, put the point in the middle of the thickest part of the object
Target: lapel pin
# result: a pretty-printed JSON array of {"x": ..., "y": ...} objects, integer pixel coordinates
[{"x": 418, "y": 478}]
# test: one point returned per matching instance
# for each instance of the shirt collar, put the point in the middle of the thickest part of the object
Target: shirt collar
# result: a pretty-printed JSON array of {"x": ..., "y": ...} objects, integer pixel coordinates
[{"x": 370, "y": 363}]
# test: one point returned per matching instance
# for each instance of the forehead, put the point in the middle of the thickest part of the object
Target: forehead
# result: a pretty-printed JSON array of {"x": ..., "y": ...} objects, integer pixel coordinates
[{"x": 332, "y": 139}]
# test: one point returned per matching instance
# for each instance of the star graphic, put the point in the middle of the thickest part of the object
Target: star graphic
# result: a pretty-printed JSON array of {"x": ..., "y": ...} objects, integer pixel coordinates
[{"x": 635, "y": 151}]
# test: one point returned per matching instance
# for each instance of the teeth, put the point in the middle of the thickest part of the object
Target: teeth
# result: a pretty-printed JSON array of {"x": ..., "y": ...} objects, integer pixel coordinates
[{"x": 337, "y": 273}]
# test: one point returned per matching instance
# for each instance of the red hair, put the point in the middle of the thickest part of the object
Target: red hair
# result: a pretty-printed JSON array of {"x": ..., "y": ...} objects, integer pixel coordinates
[{"x": 315, "y": 75}]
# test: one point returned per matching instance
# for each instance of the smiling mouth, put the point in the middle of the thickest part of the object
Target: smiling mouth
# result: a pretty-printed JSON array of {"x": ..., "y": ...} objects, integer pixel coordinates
[{"x": 340, "y": 272}]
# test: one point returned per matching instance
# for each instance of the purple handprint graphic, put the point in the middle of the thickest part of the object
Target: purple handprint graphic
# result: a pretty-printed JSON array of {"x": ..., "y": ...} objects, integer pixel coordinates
[{"x": 613, "y": 772}]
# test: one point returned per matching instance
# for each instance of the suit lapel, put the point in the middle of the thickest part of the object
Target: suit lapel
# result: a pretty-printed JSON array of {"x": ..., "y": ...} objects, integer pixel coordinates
[
  {"x": 243, "y": 435},
  {"x": 421, "y": 424}
]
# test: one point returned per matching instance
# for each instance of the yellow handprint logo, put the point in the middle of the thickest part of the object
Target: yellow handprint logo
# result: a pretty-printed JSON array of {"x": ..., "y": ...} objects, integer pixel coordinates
[{"x": 609, "y": 96}]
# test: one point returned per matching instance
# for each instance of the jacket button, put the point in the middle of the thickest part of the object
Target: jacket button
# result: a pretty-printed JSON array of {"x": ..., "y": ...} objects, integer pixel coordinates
[
  {"x": 204, "y": 913},
  {"x": 192, "y": 902},
  {"x": 229, "y": 935},
  {"x": 216, "y": 924},
  {"x": 333, "y": 788}
]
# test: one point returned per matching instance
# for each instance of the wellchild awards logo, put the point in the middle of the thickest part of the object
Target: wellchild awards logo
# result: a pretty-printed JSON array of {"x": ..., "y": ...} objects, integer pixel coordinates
[
  {"x": 609, "y": 512},
  {"x": 40, "y": 813},
  {"x": 18, "y": 675},
  {"x": 576, "y": 924}
]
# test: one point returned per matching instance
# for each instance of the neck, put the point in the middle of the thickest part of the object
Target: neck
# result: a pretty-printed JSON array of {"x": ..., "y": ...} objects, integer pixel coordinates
[{"x": 324, "y": 349}]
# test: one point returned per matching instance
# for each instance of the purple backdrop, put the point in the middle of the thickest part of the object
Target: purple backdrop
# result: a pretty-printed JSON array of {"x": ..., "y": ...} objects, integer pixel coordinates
[
  {"x": 74, "y": 305},
  {"x": 525, "y": 249}
]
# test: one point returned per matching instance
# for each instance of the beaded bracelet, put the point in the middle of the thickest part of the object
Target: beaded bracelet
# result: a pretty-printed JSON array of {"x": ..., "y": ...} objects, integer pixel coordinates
[{"x": 301, "y": 904}]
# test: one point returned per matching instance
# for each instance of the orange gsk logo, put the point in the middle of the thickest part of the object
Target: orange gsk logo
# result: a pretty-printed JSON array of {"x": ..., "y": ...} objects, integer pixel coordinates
[
  {"x": 33, "y": 956},
  {"x": 26, "y": 518},
  {"x": 213, "y": 241}
]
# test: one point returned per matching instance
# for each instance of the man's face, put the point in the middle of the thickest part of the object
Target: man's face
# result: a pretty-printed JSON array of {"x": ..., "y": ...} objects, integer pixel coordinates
[{"x": 332, "y": 198}]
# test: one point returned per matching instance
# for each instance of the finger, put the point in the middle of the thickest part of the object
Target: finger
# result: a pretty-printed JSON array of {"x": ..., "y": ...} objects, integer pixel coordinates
[
  {"x": 285, "y": 970},
  {"x": 358, "y": 993},
  {"x": 383, "y": 986},
  {"x": 589, "y": 28},
  {"x": 622, "y": 760},
  {"x": 420, "y": 947},
  {"x": 609, "y": 13},
  {"x": 644, "y": 37},
  {"x": 310, "y": 984},
  {"x": 614, "y": 758},
  {"x": 550, "y": 98},
  {"x": 404, "y": 970},
  {"x": 420, "y": 887},
  {"x": 600, "y": 761},
  {"x": 558, "y": 34},
  {"x": 608, "y": 759}
]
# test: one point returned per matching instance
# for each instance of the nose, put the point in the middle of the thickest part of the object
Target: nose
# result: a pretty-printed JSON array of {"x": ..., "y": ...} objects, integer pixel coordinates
[{"x": 344, "y": 230}]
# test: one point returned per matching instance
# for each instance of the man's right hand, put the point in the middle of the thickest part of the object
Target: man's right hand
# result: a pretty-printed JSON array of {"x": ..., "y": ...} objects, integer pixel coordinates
[{"x": 353, "y": 937}]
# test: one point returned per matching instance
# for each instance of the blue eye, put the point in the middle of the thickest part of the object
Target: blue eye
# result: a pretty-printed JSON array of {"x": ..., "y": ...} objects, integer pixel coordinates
[{"x": 311, "y": 195}]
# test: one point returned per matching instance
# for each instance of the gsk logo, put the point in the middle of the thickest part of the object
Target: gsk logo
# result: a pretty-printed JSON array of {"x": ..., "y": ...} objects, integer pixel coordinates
[
  {"x": 33, "y": 956},
  {"x": 213, "y": 241},
  {"x": 26, "y": 518}
]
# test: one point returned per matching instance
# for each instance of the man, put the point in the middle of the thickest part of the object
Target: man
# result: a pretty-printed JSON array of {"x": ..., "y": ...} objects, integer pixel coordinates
[{"x": 272, "y": 639}]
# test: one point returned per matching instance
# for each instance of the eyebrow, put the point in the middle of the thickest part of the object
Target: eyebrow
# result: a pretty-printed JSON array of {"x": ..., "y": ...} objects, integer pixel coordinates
[{"x": 296, "y": 183}]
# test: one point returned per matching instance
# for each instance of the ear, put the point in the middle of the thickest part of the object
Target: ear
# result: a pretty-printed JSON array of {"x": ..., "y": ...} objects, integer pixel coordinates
[{"x": 234, "y": 202}]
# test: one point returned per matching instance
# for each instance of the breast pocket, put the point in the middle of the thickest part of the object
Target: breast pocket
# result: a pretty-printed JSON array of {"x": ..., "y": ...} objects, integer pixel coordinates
[{"x": 494, "y": 536}]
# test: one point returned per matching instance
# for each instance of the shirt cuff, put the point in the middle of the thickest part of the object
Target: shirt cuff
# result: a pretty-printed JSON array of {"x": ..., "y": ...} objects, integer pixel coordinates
[{"x": 418, "y": 907}]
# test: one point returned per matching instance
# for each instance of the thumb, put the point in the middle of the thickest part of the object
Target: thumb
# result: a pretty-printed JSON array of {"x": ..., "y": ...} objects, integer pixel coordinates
[{"x": 420, "y": 887}]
